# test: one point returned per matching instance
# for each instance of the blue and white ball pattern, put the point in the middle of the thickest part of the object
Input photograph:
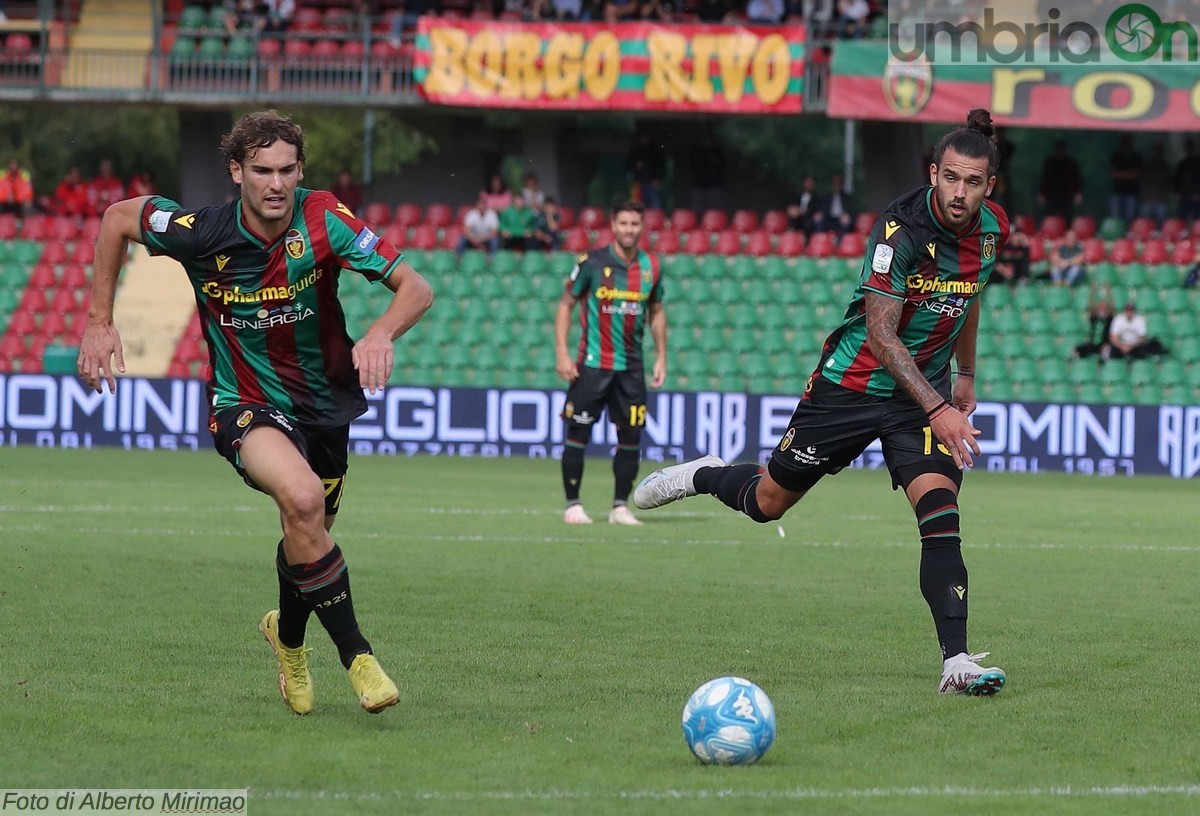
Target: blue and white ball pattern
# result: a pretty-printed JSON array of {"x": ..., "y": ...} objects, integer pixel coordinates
[{"x": 729, "y": 721}]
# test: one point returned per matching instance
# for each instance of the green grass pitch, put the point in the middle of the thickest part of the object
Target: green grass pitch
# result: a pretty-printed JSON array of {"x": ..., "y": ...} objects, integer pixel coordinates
[{"x": 543, "y": 668}]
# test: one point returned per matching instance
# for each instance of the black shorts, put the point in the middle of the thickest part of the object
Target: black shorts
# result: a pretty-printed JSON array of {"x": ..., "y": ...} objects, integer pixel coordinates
[
  {"x": 623, "y": 393},
  {"x": 832, "y": 426},
  {"x": 325, "y": 449}
]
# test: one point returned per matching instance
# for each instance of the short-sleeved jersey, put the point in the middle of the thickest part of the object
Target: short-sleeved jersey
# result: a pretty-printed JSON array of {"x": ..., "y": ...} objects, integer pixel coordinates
[
  {"x": 615, "y": 299},
  {"x": 939, "y": 275},
  {"x": 269, "y": 310}
]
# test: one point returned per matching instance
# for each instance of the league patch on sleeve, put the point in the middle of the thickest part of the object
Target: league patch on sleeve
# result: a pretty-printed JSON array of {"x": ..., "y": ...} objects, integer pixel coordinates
[
  {"x": 574, "y": 273},
  {"x": 366, "y": 240},
  {"x": 159, "y": 220},
  {"x": 881, "y": 261}
]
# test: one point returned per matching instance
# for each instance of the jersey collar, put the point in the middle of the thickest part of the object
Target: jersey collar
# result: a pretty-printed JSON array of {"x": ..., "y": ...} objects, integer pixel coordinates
[{"x": 252, "y": 236}]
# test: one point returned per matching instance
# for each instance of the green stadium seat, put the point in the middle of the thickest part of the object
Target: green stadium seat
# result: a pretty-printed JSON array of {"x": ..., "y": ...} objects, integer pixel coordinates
[
  {"x": 1120, "y": 394},
  {"x": 1143, "y": 372},
  {"x": 1103, "y": 272},
  {"x": 1052, "y": 370},
  {"x": 773, "y": 268},
  {"x": 1165, "y": 276},
  {"x": 211, "y": 48},
  {"x": 743, "y": 267},
  {"x": 241, "y": 48},
  {"x": 1133, "y": 276},
  {"x": 713, "y": 267},
  {"x": 1038, "y": 323},
  {"x": 1083, "y": 372},
  {"x": 1114, "y": 372},
  {"x": 679, "y": 266},
  {"x": 1007, "y": 322},
  {"x": 997, "y": 296},
  {"x": 183, "y": 48},
  {"x": 216, "y": 18},
  {"x": 1187, "y": 348},
  {"x": 473, "y": 264},
  {"x": 807, "y": 269},
  {"x": 1023, "y": 370},
  {"x": 1112, "y": 228},
  {"x": 535, "y": 263},
  {"x": 504, "y": 263},
  {"x": 1058, "y": 392},
  {"x": 1173, "y": 395},
  {"x": 192, "y": 17},
  {"x": 1175, "y": 301},
  {"x": 1170, "y": 372},
  {"x": 441, "y": 262},
  {"x": 1058, "y": 299}
]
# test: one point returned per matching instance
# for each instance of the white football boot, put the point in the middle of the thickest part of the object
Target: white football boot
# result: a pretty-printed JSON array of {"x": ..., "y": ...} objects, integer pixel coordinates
[
  {"x": 621, "y": 514},
  {"x": 671, "y": 483},
  {"x": 575, "y": 514},
  {"x": 962, "y": 674}
]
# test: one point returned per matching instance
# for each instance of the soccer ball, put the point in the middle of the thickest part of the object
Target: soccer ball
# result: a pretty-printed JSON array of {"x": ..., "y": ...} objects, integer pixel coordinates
[{"x": 729, "y": 721}]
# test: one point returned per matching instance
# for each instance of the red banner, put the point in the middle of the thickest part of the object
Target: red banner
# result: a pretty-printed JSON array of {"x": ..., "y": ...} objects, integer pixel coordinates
[{"x": 629, "y": 66}]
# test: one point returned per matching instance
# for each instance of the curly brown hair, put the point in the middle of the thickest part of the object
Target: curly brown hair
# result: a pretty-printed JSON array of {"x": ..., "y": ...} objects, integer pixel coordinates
[{"x": 260, "y": 129}]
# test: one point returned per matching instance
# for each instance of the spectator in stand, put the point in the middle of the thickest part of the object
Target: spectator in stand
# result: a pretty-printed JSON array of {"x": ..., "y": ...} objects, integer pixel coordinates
[
  {"x": 1127, "y": 336},
  {"x": 517, "y": 224},
  {"x": 104, "y": 190},
  {"x": 1100, "y": 317},
  {"x": 1156, "y": 185},
  {"x": 547, "y": 233},
  {"x": 279, "y": 15},
  {"x": 481, "y": 228},
  {"x": 143, "y": 183},
  {"x": 708, "y": 175},
  {"x": 71, "y": 196},
  {"x": 243, "y": 16},
  {"x": 1062, "y": 183},
  {"x": 562, "y": 11},
  {"x": 818, "y": 16},
  {"x": 616, "y": 11},
  {"x": 765, "y": 12},
  {"x": 497, "y": 193},
  {"x": 16, "y": 190},
  {"x": 647, "y": 165},
  {"x": 1012, "y": 267},
  {"x": 1066, "y": 261},
  {"x": 1125, "y": 168},
  {"x": 800, "y": 215},
  {"x": 1187, "y": 182},
  {"x": 531, "y": 191},
  {"x": 837, "y": 210},
  {"x": 853, "y": 16},
  {"x": 349, "y": 193}
]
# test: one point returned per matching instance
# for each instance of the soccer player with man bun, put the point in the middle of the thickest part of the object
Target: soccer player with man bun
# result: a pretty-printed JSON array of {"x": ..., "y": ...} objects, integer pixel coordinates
[
  {"x": 286, "y": 379},
  {"x": 885, "y": 373}
]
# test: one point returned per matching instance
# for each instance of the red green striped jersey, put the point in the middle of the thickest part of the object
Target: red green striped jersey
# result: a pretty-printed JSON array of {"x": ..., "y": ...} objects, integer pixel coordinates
[
  {"x": 615, "y": 298},
  {"x": 276, "y": 331},
  {"x": 939, "y": 276}
]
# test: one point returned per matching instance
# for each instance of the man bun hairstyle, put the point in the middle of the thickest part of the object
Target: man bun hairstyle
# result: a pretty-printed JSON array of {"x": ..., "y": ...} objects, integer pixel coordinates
[
  {"x": 257, "y": 130},
  {"x": 977, "y": 140}
]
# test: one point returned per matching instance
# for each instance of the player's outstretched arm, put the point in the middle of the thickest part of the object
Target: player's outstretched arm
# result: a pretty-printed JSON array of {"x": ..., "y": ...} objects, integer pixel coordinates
[
  {"x": 101, "y": 342},
  {"x": 950, "y": 427},
  {"x": 373, "y": 355}
]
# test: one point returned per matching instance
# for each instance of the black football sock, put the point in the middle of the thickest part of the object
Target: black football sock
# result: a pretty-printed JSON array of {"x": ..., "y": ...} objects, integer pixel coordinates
[
  {"x": 572, "y": 470},
  {"x": 733, "y": 485},
  {"x": 625, "y": 468},
  {"x": 943, "y": 573},
  {"x": 293, "y": 610},
  {"x": 325, "y": 587}
]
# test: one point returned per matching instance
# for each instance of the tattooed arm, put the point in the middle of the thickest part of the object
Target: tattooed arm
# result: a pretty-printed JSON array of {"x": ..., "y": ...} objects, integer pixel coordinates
[{"x": 949, "y": 425}]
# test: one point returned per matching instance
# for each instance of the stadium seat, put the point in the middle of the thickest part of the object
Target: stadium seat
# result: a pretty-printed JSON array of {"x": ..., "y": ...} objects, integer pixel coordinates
[
  {"x": 697, "y": 243},
  {"x": 653, "y": 220},
  {"x": 1155, "y": 251},
  {"x": 450, "y": 237},
  {"x": 337, "y": 20},
  {"x": 1173, "y": 229},
  {"x": 1141, "y": 229},
  {"x": 42, "y": 277},
  {"x": 212, "y": 49},
  {"x": 1053, "y": 227},
  {"x": 745, "y": 221},
  {"x": 377, "y": 214},
  {"x": 683, "y": 220},
  {"x": 1184, "y": 253},
  {"x": 74, "y": 277},
  {"x": 729, "y": 242},
  {"x": 33, "y": 228},
  {"x": 1084, "y": 226},
  {"x": 1112, "y": 228},
  {"x": 591, "y": 218},
  {"x": 241, "y": 49},
  {"x": 864, "y": 222},
  {"x": 714, "y": 220},
  {"x": 352, "y": 50},
  {"x": 603, "y": 237},
  {"x": 396, "y": 235},
  {"x": 758, "y": 244},
  {"x": 1123, "y": 251},
  {"x": 424, "y": 237},
  {"x": 439, "y": 215},
  {"x": 566, "y": 218},
  {"x": 820, "y": 245},
  {"x": 269, "y": 48},
  {"x": 775, "y": 221},
  {"x": 1093, "y": 251},
  {"x": 1037, "y": 250},
  {"x": 297, "y": 49},
  {"x": 192, "y": 18},
  {"x": 1027, "y": 224},
  {"x": 576, "y": 240},
  {"x": 791, "y": 244},
  {"x": 306, "y": 19},
  {"x": 54, "y": 252},
  {"x": 851, "y": 245},
  {"x": 325, "y": 49},
  {"x": 62, "y": 228},
  {"x": 668, "y": 242}
]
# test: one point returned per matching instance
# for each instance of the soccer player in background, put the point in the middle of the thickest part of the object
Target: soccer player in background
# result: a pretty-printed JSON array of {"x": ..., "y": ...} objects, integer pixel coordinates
[
  {"x": 619, "y": 285},
  {"x": 885, "y": 373},
  {"x": 287, "y": 379}
]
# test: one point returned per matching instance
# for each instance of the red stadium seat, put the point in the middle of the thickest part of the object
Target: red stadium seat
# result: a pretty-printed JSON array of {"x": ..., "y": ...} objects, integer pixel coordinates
[
  {"x": 439, "y": 215},
  {"x": 603, "y": 237},
  {"x": 1142, "y": 228},
  {"x": 1123, "y": 251},
  {"x": 91, "y": 230},
  {"x": 851, "y": 245},
  {"x": 33, "y": 228},
  {"x": 306, "y": 19},
  {"x": 1155, "y": 251},
  {"x": 461, "y": 213},
  {"x": 1093, "y": 251},
  {"x": 566, "y": 217},
  {"x": 1053, "y": 227},
  {"x": 864, "y": 222},
  {"x": 83, "y": 253},
  {"x": 18, "y": 45},
  {"x": 576, "y": 240},
  {"x": 821, "y": 245},
  {"x": 775, "y": 221},
  {"x": 63, "y": 302},
  {"x": 1173, "y": 229},
  {"x": 325, "y": 49},
  {"x": 1184, "y": 253},
  {"x": 758, "y": 244},
  {"x": 683, "y": 220},
  {"x": 294, "y": 48},
  {"x": 714, "y": 220},
  {"x": 653, "y": 220},
  {"x": 729, "y": 242},
  {"x": 54, "y": 252},
  {"x": 1084, "y": 226},
  {"x": 451, "y": 236},
  {"x": 697, "y": 243},
  {"x": 377, "y": 214},
  {"x": 8, "y": 227},
  {"x": 1027, "y": 224},
  {"x": 53, "y": 325},
  {"x": 74, "y": 278},
  {"x": 12, "y": 347},
  {"x": 1037, "y": 250},
  {"x": 337, "y": 19},
  {"x": 22, "y": 323},
  {"x": 37, "y": 348},
  {"x": 591, "y": 218},
  {"x": 791, "y": 244},
  {"x": 668, "y": 242},
  {"x": 353, "y": 49},
  {"x": 408, "y": 215},
  {"x": 745, "y": 221},
  {"x": 396, "y": 235},
  {"x": 42, "y": 277},
  {"x": 269, "y": 48},
  {"x": 64, "y": 228},
  {"x": 424, "y": 237}
]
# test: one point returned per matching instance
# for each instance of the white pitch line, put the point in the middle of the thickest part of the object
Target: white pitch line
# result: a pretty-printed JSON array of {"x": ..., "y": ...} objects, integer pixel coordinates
[{"x": 792, "y": 794}]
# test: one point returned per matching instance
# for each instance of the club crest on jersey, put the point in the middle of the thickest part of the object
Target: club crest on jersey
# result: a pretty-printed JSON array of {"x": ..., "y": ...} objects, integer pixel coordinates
[
  {"x": 786, "y": 442},
  {"x": 989, "y": 246},
  {"x": 293, "y": 242},
  {"x": 244, "y": 418}
]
